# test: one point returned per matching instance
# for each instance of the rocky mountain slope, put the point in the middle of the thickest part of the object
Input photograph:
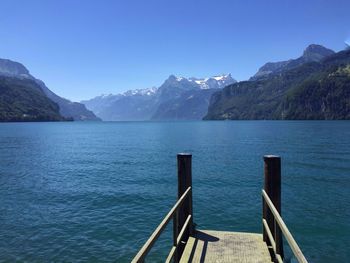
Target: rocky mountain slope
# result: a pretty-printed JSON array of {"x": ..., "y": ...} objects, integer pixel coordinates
[
  {"x": 24, "y": 100},
  {"x": 67, "y": 109},
  {"x": 313, "y": 53},
  {"x": 312, "y": 90}
]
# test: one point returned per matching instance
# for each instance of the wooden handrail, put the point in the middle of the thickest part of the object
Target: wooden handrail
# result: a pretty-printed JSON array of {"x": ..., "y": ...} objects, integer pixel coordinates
[
  {"x": 269, "y": 234},
  {"x": 292, "y": 243},
  {"x": 183, "y": 229},
  {"x": 272, "y": 241},
  {"x": 171, "y": 254},
  {"x": 153, "y": 238},
  {"x": 178, "y": 239}
]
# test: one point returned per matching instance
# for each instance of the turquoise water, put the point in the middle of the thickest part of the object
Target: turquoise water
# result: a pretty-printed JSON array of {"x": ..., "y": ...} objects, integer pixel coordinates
[{"x": 96, "y": 191}]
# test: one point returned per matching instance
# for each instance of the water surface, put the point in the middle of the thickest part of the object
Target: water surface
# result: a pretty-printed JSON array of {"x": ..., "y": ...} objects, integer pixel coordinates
[{"x": 96, "y": 191}]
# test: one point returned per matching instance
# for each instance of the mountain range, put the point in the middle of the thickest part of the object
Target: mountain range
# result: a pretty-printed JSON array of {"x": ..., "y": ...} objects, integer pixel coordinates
[
  {"x": 26, "y": 98},
  {"x": 178, "y": 98},
  {"x": 313, "y": 86}
]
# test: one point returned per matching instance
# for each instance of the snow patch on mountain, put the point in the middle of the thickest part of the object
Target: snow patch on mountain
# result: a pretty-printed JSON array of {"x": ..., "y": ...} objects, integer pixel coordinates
[
  {"x": 142, "y": 92},
  {"x": 215, "y": 82}
]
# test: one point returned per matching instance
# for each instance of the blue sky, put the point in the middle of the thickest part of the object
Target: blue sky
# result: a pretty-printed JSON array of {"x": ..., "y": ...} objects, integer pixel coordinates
[{"x": 82, "y": 49}]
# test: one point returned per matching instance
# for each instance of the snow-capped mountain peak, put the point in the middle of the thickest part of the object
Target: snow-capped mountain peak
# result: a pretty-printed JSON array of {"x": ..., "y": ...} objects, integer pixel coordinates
[
  {"x": 188, "y": 96},
  {"x": 215, "y": 82},
  {"x": 142, "y": 92},
  {"x": 223, "y": 77}
]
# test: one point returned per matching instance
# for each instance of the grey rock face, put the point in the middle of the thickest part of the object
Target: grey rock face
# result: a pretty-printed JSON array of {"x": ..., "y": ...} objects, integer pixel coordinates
[
  {"x": 313, "y": 53},
  {"x": 11, "y": 68},
  {"x": 316, "y": 53}
]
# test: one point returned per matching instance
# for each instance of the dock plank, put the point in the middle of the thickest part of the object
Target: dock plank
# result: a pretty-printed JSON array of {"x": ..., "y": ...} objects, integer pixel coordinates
[{"x": 222, "y": 246}]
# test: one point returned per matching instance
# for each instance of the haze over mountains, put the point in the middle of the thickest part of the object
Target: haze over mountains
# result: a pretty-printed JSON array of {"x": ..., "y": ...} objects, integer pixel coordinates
[{"x": 178, "y": 98}]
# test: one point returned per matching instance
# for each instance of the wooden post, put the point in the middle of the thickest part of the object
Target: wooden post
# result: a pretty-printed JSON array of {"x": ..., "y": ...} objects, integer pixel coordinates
[
  {"x": 184, "y": 173},
  {"x": 272, "y": 186}
]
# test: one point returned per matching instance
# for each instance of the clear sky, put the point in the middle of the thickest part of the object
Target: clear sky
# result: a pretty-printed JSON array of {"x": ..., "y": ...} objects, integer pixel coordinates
[{"x": 82, "y": 49}]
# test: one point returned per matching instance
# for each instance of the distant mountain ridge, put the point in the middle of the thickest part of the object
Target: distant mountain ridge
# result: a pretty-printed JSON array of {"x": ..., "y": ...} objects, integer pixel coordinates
[
  {"x": 67, "y": 109},
  {"x": 313, "y": 53},
  {"x": 178, "y": 98},
  {"x": 318, "y": 88}
]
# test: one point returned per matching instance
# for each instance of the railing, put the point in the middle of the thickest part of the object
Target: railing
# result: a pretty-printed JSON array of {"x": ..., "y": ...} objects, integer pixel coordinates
[
  {"x": 273, "y": 225},
  {"x": 181, "y": 213},
  {"x": 282, "y": 226}
]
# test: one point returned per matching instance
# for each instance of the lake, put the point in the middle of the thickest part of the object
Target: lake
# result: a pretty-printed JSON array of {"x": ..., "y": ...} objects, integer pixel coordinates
[{"x": 96, "y": 191}]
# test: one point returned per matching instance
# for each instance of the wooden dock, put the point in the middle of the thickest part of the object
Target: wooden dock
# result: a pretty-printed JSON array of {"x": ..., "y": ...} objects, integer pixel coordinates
[
  {"x": 193, "y": 245},
  {"x": 222, "y": 246}
]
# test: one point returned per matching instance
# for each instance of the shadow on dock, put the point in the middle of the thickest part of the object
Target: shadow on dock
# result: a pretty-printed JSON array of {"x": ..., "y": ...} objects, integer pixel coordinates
[{"x": 203, "y": 238}]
